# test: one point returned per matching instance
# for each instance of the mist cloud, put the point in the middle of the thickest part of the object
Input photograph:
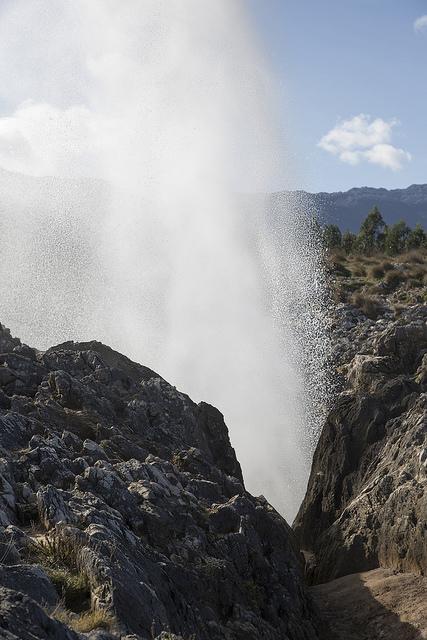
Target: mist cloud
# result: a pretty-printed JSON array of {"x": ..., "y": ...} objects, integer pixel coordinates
[{"x": 170, "y": 103}]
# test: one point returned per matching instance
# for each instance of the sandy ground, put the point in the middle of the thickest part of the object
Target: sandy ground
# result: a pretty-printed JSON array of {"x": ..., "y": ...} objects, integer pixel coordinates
[{"x": 375, "y": 605}]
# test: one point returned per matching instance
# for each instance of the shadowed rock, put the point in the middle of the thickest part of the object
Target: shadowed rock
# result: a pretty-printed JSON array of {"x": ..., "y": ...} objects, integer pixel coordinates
[{"x": 366, "y": 502}]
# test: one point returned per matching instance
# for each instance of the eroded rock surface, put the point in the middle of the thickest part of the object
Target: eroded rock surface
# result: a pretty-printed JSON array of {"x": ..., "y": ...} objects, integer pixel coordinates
[
  {"x": 366, "y": 503},
  {"x": 119, "y": 494}
]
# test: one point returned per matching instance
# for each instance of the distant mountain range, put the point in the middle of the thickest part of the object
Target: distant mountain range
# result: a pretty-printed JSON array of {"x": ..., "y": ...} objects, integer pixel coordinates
[
  {"x": 85, "y": 199},
  {"x": 347, "y": 209}
]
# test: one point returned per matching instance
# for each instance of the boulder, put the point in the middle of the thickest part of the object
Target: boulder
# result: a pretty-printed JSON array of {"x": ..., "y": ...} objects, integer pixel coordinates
[{"x": 21, "y": 618}]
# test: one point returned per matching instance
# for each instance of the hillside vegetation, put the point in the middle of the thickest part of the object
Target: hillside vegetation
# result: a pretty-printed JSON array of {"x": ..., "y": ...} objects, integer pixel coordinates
[
  {"x": 348, "y": 209},
  {"x": 381, "y": 269}
]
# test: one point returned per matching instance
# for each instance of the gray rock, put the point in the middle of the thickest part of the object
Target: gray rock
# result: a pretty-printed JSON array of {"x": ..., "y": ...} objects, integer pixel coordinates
[
  {"x": 52, "y": 507},
  {"x": 224, "y": 519},
  {"x": 366, "y": 502},
  {"x": 21, "y": 618},
  {"x": 143, "y": 488},
  {"x": 30, "y": 580}
]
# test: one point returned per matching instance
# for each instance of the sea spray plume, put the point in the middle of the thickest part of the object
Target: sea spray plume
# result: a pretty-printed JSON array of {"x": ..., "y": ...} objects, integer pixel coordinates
[
  {"x": 293, "y": 258},
  {"x": 169, "y": 104},
  {"x": 306, "y": 312}
]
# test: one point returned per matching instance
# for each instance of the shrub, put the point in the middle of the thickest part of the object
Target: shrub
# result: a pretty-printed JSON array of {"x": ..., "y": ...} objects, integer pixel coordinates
[
  {"x": 386, "y": 266},
  {"x": 417, "y": 274},
  {"x": 393, "y": 279},
  {"x": 339, "y": 269},
  {"x": 371, "y": 307},
  {"x": 359, "y": 271},
  {"x": 417, "y": 257},
  {"x": 376, "y": 272}
]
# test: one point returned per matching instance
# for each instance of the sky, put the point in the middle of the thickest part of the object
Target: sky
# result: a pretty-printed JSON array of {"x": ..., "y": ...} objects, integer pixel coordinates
[
  {"x": 352, "y": 78},
  {"x": 349, "y": 78}
]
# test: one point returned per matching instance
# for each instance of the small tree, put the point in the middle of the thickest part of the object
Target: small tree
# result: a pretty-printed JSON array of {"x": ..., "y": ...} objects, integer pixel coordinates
[
  {"x": 332, "y": 236},
  {"x": 416, "y": 238},
  {"x": 348, "y": 241},
  {"x": 396, "y": 238},
  {"x": 372, "y": 231}
]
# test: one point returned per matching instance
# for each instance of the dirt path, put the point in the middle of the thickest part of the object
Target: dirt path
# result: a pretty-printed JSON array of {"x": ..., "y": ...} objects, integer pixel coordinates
[{"x": 376, "y": 605}]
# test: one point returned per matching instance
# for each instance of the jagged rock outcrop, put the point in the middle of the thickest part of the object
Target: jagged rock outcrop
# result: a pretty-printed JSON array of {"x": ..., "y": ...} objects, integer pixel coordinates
[
  {"x": 120, "y": 497},
  {"x": 366, "y": 502}
]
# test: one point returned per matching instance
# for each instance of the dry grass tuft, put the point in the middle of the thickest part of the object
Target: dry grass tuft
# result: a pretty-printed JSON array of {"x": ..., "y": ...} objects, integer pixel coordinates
[
  {"x": 86, "y": 621},
  {"x": 393, "y": 279},
  {"x": 371, "y": 307},
  {"x": 376, "y": 272},
  {"x": 369, "y": 282},
  {"x": 358, "y": 271},
  {"x": 386, "y": 265},
  {"x": 59, "y": 556},
  {"x": 415, "y": 256}
]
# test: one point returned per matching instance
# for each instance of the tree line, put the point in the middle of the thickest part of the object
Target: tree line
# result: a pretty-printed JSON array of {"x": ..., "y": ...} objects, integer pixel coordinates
[{"x": 375, "y": 236}]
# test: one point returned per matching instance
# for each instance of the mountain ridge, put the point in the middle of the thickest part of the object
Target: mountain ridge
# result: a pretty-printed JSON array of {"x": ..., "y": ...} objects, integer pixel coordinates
[{"x": 348, "y": 208}]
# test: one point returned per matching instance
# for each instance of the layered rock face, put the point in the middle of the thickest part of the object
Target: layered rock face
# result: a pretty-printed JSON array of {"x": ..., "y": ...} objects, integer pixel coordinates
[
  {"x": 366, "y": 503},
  {"x": 121, "y": 498}
]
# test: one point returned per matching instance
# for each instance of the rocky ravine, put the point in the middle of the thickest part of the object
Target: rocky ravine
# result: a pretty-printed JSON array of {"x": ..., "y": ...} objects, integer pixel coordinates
[
  {"x": 123, "y": 510},
  {"x": 366, "y": 503}
]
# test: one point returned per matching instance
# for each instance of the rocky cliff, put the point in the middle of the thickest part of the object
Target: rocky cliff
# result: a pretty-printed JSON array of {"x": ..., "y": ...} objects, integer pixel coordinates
[
  {"x": 366, "y": 502},
  {"x": 123, "y": 511}
]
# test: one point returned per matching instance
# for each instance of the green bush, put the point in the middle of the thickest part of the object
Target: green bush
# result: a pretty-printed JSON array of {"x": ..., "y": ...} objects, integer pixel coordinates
[
  {"x": 348, "y": 241},
  {"x": 396, "y": 237},
  {"x": 376, "y": 237}
]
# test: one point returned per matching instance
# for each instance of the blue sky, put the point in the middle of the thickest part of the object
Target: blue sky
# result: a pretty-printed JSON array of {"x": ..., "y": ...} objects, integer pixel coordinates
[{"x": 338, "y": 59}]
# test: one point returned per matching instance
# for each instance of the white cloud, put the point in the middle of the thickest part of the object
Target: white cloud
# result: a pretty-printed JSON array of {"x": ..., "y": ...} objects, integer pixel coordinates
[
  {"x": 387, "y": 156},
  {"x": 420, "y": 23},
  {"x": 363, "y": 139}
]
